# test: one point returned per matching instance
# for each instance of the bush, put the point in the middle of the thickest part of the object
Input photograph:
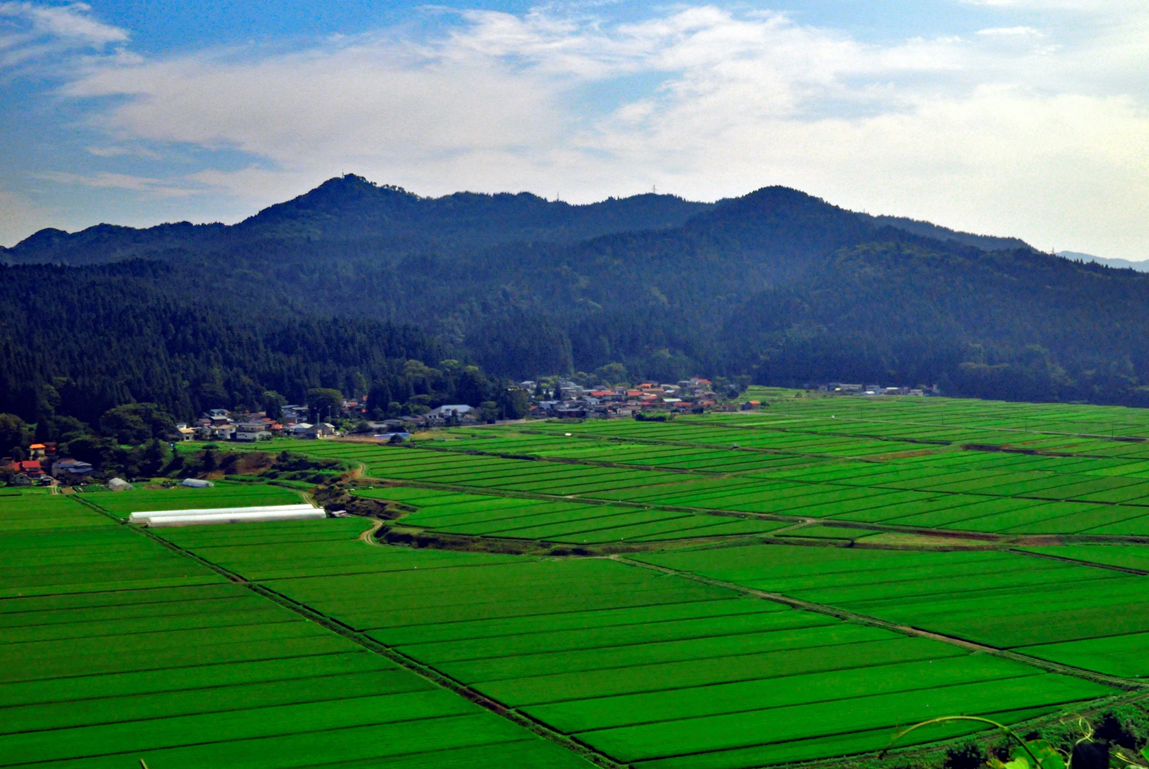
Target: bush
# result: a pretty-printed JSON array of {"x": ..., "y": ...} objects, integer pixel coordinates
[
  {"x": 968, "y": 755},
  {"x": 1127, "y": 726}
]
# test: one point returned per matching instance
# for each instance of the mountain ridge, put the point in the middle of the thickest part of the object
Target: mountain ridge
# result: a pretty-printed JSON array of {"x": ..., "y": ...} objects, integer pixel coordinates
[{"x": 351, "y": 208}]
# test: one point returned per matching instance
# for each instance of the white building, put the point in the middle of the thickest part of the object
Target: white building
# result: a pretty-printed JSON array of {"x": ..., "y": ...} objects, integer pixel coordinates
[{"x": 458, "y": 411}]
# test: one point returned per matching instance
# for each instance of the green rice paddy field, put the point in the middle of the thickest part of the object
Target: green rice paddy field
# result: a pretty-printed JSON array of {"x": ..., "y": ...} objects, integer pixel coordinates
[
  {"x": 722, "y": 591},
  {"x": 114, "y": 648}
]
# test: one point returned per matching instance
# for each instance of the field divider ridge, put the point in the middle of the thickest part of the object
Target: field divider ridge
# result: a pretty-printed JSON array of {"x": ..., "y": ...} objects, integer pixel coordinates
[
  {"x": 830, "y": 485},
  {"x": 863, "y": 619},
  {"x": 959, "y": 535},
  {"x": 645, "y": 441},
  {"x": 402, "y": 660},
  {"x": 937, "y": 425},
  {"x": 1079, "y": 562}
]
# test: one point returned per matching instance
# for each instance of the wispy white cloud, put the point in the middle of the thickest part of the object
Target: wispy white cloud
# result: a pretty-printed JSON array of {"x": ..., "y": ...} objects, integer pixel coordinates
[
  {"x": 1011, "y": 32},
  {"x": 167, "y": 188},
  {"x": 122, "y": 151},
  {"x": 33, "y": 33},
  {"x": 343, "y": 102}
]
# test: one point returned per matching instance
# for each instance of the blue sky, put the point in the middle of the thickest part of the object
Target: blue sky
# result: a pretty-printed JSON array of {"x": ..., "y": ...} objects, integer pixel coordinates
[{"x": 1010, "y": 117}]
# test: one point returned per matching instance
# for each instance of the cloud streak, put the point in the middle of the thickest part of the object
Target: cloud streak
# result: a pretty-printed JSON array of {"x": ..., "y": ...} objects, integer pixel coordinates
[
  {"x": 113, "y": 181},
  {"x": 32, "y": 33}
]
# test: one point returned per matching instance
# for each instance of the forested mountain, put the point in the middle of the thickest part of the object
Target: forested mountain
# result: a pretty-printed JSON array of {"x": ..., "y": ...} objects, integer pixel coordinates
[
  {"x": 349, "y": 208},
  {"x": 77, "y": 342},
  {"x": 342, "y": 286},
  {"x": 927, "y": 230}
]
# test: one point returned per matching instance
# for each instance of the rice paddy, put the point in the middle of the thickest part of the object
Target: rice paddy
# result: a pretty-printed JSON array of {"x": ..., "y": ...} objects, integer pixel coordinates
[
  {"x": 727, "y": 590},
  {"x": 648, "y": 668},
  {"x": 114, "y": 648}
]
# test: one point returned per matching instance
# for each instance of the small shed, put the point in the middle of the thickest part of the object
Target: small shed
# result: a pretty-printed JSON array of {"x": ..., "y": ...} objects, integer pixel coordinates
[
  {"x": 119, "y": 484},
  {"x": 196, "y": 483}
]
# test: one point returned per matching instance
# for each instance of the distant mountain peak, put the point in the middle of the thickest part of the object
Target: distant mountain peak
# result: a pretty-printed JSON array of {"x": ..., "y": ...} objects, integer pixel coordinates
[
  {"x": 356, "y": 184},
  {"x": 774, "y": 204},
  {"x": 1117, "y": 264},
  {"x": 773, "y": 197},
  {"x": 344, "y": 190}
]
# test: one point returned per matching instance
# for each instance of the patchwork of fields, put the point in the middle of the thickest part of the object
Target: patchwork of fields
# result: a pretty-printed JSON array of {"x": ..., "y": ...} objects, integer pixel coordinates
[
  {"x": 114, "y": 648},
  {"x": 723, "y": 591},
  {"x": 1076, "y": 614},
  {"x": 874, "y": 464},
  {"x": 653, "y": 670}
]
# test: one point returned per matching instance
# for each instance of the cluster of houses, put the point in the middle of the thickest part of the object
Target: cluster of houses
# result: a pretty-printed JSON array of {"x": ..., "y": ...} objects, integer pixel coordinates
[
  {"x": 222, "y": 425},
  {"x": 578, "y": 402},
  {"x": 45, "y": 465},
  {"x": 874, "y": 389},
  {"x": 450, "y": 415}
]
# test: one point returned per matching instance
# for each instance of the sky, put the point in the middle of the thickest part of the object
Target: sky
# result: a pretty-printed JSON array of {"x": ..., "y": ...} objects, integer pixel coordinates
[{"x": 1026, "y": 118}]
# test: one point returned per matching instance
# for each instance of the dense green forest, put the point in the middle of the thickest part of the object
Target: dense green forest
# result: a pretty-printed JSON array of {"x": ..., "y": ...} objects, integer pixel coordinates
[{"x": 345, "y": 287}]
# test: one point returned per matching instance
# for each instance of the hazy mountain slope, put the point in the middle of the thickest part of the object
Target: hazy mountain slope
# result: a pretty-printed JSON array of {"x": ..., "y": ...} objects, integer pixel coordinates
[
  {"x": 1007, "y": 324},
  {"x": 108, "y": 243},
  {"x": 927, "y": 230},
  {"x": 1117, "y": 264}
]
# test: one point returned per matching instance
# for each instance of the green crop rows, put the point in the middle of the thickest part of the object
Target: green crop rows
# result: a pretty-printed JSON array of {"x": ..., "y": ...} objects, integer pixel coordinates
[
  {"x": 724, "y": 591},
  {"x": 648, "y": 668},
  {"x": 910, "y": 464},
  {"x": 115, "y": 649}
]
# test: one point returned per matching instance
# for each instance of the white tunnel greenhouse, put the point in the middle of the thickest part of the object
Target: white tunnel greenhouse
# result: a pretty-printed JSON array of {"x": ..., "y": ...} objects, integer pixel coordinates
[{"x": 209, "y": 515}]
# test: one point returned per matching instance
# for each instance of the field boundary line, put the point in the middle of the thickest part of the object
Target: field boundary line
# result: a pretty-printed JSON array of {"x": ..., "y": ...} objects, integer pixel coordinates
[
  {"x": 783, "y": 516},
  {"x": 645, "y": 441},
  {"x": 567, "y": 461},
  {"x": 799, "y": 431},
  {"x": 438, "y": 678},
  {"x": 959, "y": 537},
  {"x": 938, "y": 443},
  {"x": 863, "y": 619},
  {"x": 1027, "y": 431},
  {"x": 1079, "y": 562},
  {"x": 744, "y": 474},
  {"x": 398, "y": 658}
]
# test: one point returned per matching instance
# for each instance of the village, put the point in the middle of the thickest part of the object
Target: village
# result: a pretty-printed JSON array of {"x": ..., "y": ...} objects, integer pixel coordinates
[
  {"x": 563, "y": 399},
  {"x": 560, "y": 398},
  {"x": 45, "y": 466}
]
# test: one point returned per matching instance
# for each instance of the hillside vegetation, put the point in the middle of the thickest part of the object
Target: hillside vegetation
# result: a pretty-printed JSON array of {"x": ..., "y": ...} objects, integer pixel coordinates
[{"x": 341, "y": 286}]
